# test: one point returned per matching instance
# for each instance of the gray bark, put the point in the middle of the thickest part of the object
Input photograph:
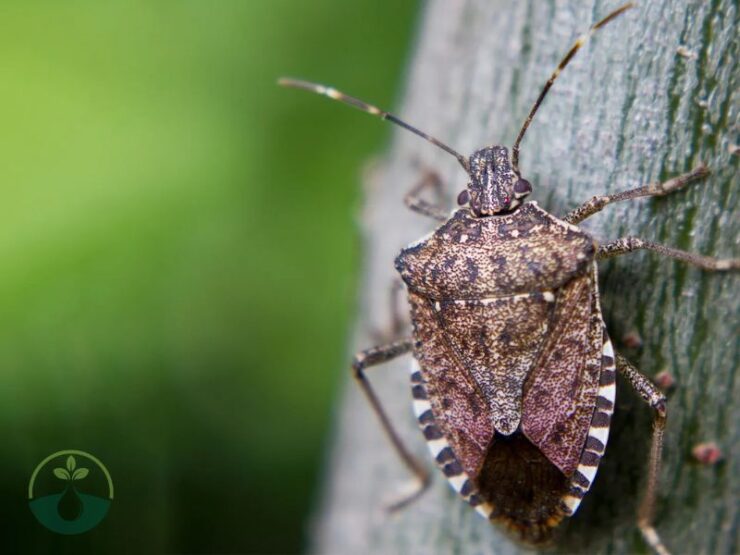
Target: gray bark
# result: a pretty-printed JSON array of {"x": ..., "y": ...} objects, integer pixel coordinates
[{"x": 629, "y": 109}]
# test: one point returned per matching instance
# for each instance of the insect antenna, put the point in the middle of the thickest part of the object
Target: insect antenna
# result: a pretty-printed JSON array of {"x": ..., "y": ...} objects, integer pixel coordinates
[
  {"x": 370, "y": 109},
  {"x": 564, "y": 62}
]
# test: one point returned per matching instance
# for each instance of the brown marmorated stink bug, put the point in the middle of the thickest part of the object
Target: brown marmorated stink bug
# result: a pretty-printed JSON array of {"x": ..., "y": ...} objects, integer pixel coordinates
[{"x": 514, "y": 376}]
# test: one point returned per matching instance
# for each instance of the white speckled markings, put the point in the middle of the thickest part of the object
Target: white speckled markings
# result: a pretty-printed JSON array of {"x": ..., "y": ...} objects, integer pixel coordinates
[
  {"x": 598, "y": 433},
  {"x": 440, "y": 449}
]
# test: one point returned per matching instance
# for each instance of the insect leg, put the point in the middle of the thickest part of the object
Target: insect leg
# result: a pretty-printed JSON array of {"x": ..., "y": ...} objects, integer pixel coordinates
[
  {"x": 430, "y": 179},
  {"x": 628, "y": 244},
  {"x": 596, "y": 204},
  {"x": 651, "y": 395},
  {"x": 372, "y": 357},
  {"x": 397, "y": 322}
]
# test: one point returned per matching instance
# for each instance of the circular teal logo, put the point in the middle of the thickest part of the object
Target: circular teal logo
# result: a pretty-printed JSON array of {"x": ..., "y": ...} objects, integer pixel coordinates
[{"x": 70, "y": 492}]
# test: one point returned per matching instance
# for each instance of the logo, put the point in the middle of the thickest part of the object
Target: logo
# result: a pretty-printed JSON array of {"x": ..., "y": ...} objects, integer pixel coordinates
[{"x": 70, "y": 492}]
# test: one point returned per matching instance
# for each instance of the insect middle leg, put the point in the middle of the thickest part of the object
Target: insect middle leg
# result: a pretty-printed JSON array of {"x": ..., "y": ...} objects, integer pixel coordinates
[
  {"x": 373, "y": 357},
  {"x": 596, "y": 204},
  {"x": 429, "y": 180},
  {"x": 629, "y": 244},
  {"x": 652, "y": 396},
  {"x": 397, "y": 323}
]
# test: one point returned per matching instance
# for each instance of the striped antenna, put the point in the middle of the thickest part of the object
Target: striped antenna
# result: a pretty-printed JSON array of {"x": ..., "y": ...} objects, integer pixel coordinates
[
  {"x": 365, "y": 107},
  {"x": 564, "y": 62}
]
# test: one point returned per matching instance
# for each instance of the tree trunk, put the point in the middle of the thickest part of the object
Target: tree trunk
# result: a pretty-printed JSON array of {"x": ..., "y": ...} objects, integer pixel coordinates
[{"x": 650, "y": 96}]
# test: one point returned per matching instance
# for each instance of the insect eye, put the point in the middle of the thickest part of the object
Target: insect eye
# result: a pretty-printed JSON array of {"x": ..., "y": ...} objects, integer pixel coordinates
[
  {"x": 522, "y": 187},
  {"x": 463, "y": 198}
]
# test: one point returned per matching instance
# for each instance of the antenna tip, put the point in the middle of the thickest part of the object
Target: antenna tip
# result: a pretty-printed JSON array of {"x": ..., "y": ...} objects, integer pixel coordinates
[
  {"x": 285, "y": 82},
  {"x": 305, "y": 85}
]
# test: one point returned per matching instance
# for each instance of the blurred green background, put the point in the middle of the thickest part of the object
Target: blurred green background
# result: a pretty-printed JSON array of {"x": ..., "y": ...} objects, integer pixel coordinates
[{"x": 179, "y": 256}]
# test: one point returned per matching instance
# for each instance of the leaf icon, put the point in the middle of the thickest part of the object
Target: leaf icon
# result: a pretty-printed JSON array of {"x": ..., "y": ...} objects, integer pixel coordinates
[
  {"x": 62, "y": 474},
  {"x": 71, "y": 463},
  {"x": 80, "y": 473}
]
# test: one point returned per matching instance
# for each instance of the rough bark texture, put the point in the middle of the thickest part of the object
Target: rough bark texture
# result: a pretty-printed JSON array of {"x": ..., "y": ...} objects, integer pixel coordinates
[{"x": 631, "y": 108}]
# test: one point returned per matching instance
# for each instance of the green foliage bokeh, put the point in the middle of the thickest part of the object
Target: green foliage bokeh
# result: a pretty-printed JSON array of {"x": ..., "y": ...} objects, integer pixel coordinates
[{"x": 178, "y": 257}]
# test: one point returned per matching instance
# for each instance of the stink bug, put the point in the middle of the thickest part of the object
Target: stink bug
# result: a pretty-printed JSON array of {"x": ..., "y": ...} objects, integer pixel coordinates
[{"x": 514, "y": 374}]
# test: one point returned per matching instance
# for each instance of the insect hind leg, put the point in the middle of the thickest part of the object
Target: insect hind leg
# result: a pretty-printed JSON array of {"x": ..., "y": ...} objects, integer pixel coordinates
[
  {"x": 373, "y": 357},
  {"x": 652, "y": 396}
]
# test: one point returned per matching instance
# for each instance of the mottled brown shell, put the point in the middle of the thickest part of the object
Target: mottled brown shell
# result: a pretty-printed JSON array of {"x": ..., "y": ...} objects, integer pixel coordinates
[
  {"x": 474, "y": 258},
  {"x": 509, "y": 340}
]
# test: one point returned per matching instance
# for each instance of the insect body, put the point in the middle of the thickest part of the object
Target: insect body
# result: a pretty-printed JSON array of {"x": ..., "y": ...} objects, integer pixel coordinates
[
  {"x": 514, "y": 361},
  {"x": 514, "y": 381}
]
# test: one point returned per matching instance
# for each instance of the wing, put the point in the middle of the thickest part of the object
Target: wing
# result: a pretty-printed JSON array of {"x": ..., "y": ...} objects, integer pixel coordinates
[
  {"x": 461, "y": 412},
  {"x": 497, "y": 342},
  {"x": 560, "y": 393}
]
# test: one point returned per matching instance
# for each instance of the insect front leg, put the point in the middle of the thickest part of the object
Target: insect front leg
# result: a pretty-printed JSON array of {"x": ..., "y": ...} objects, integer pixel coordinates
[
  {"x": 596, "y": 204},
  {"x": 629, "y": 244},
  {"x": 652, "y": 396},
  {"x": 373, "y": 357},
  {"x": 429, "y": 180}
]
